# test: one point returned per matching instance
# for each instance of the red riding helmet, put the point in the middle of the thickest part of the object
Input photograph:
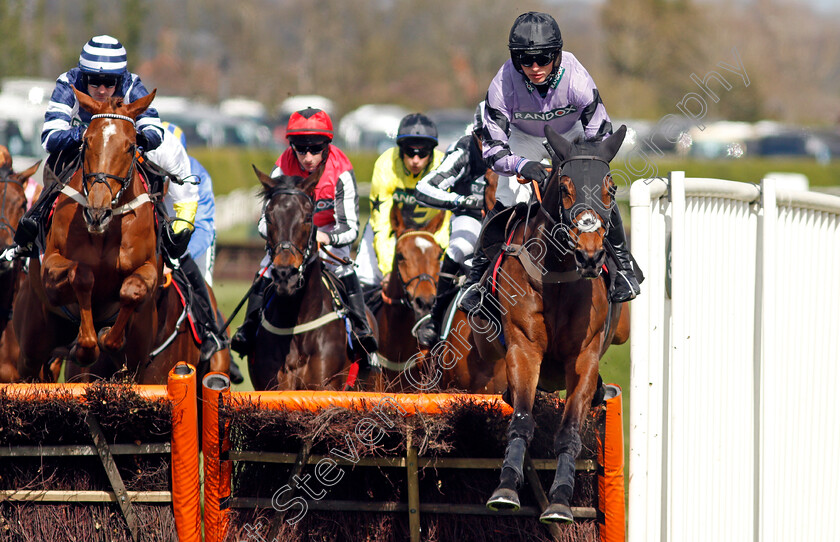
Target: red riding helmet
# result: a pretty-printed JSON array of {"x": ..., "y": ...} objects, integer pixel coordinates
[{"x": 309, "y": 122}]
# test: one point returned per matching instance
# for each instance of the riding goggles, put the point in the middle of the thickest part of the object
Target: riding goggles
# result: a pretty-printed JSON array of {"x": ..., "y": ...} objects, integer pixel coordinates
[
  {"x": 542, "y": 59},
  {"x": 420, "y": 152},
  {"x": 98, "y": 81},
  {"x": 311, "y": 149}
]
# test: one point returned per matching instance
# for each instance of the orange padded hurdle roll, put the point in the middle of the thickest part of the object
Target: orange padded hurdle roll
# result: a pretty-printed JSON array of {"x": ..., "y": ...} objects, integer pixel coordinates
[
  {"x": 217, "y": 473},
  {"x": 186, "y": 493},
  {"x": 410, "y": 403},
  {"x": 611, "y": 482}
]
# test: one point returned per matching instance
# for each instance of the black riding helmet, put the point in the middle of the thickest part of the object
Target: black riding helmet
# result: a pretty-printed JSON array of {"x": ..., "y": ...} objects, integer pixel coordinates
[
  {"x": 533, "y": 33},
  {"x": 417, "y": 129}
]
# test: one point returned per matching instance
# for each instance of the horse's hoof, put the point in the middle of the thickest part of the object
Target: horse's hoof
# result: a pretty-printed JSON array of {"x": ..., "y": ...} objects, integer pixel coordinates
[
  {"x": 81, "y": 361},
  {"x": 100, "y": 338},
  {"x": 557, "y": 513},
  {"x": 504, "y": 499}
]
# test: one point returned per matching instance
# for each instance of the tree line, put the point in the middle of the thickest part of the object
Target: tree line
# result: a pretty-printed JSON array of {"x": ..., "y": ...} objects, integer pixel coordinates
[{"x": 437, "y": 53}]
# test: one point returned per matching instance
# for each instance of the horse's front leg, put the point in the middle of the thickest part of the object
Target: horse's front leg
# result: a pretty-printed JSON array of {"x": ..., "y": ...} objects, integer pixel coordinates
[
  {"x": 136, "y": 289},
  {"x": 67, "y": 279},
  {"x": 581, "y": 382},
  {"x": 523, "y": 369}
]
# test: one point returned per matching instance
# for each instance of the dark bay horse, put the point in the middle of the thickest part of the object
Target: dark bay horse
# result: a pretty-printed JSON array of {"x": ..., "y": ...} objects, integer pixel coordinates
[
  {"x": 100, "y": 268},
  {"x": 407, "y": 297},
  {"x": 556, "y": 317},
  {"x": 302, "y": 342},
  {"x": 12, "y": 206}
]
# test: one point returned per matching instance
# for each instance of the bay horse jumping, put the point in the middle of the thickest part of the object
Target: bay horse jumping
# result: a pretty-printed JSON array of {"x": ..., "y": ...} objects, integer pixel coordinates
[
  {"x": 407, "y": 297},
  {"x": 13, "y": 204},
  {"x": 558, "y": 323},
  {"x": 92, "y": 293},
  {"x": 302, "y": 341}
]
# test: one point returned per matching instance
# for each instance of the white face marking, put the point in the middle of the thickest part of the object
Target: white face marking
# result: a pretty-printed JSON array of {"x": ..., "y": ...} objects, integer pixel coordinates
[
  {"x": 109, "y": 130},
  {"x": 423, "y": 244},
  {"x": 588, "y": 222}
]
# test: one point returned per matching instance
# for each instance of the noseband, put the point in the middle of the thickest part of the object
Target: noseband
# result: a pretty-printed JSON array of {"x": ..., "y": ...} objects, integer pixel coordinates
[
  {"x": 101, "y": 177},
  {"x": 308, "y": 252}
]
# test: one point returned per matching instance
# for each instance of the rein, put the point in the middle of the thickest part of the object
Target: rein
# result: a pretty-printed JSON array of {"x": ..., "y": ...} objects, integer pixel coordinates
[{"x": 535, "y": 272}]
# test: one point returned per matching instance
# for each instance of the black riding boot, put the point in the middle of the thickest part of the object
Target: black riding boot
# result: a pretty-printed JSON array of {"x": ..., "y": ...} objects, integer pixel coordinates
[
  {"x": 356, "y": 310},
  {"x": 471, "y": 300},
  {"x": 243, "y": 340},
  {"x": 31, "y": 224},
  {"x": 212, "y": 339},
  {"x": 429, "y": 334},
  {"x": 625, "y": 285}
]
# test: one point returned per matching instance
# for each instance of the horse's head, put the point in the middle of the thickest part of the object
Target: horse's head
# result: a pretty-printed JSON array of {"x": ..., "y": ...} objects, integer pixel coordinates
[
  {"x": 109, "y": 155},
  {"x": 580, "y": 196},
  {"x": 416, "y": 261},
  {"x": 291, "y": 232},
  {"x": 12, "y": 199}
]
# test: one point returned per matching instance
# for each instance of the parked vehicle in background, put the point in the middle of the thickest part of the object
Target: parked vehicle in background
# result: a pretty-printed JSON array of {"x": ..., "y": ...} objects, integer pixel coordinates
[
  {"x": 371, "y": 127},
  {"x": 452, "y": 124},
  {"x": 23, "y": 103},
  {"x": 206, "y": 125}
]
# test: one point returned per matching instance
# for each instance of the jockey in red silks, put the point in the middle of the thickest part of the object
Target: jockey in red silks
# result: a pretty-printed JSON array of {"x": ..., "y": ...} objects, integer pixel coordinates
[{"x": 311, "y": 152}]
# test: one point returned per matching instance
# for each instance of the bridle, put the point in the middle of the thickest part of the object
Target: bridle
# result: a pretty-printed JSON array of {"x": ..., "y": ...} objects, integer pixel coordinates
[
  {"x": 101, "y": 177},
  {"x": 405, "y": 297},
  {"x": 567, "y": 220},
  {"x": 308, "y": 253}
]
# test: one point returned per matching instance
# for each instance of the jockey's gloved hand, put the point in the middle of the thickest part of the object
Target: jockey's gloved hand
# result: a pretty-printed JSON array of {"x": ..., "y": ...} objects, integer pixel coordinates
[
  {"x": 174, "y": 245},
  {"x": 77, "y": 133},
  {"x": 534, "y": 171},
  {"x": 142, "y": 142},
  {"x": 471, "y": 202}
]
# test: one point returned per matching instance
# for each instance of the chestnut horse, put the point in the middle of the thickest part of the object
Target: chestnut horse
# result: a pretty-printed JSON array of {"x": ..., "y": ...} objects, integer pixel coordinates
[
  {"x": 557, "y": 324},
  {"x": 93, "y": 291},
  {"x": 12, "y": 206},
  {"x": 407, "y": 297},
  {"x": 302, "y": 342}
]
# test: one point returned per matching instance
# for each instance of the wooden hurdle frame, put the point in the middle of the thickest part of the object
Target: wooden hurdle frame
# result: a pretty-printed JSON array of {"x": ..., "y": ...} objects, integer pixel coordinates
[
  {"x": 219, "y": 458},
  {"x": 180, "y": 390}
]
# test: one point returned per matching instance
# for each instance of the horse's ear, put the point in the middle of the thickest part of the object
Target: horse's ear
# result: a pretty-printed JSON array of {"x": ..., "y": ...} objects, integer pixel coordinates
[
  {"x": 607, "y": 191},
  {"x": 30, "y": 171},
  {"x": 609, "y": 148},
  {"x": 86, "y": 102},
  {"x": 397, "y": 222},
  {"x": 569, "y": 194},
  {"x": 266, "y": 181},
  {"x": 135, "y": 108},
  {"x": 308, "y": 184},
  {"x": 433, "y": 225},
  {"x": 562, "y": 147}
]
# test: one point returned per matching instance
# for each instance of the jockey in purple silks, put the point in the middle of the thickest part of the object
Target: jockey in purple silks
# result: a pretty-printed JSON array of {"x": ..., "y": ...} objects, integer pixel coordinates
[{"x": 540, "y": 85}]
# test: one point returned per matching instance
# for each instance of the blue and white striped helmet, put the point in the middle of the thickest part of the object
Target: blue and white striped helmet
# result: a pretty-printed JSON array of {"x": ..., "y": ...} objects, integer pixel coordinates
[{"x": 103, "y": 54}]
